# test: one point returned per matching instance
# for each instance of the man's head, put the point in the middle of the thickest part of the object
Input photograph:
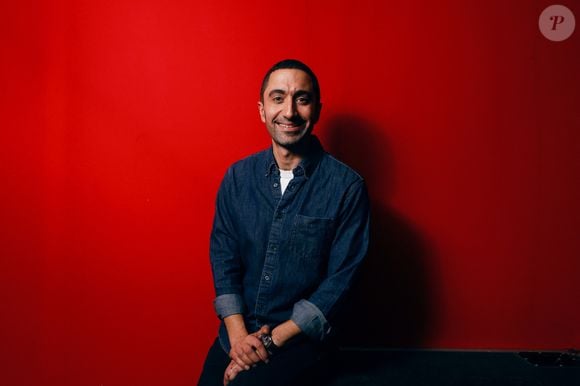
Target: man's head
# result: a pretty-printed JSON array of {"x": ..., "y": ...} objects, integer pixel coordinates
[
  {"x": 289, "y": 102},
  {"x": 291, "y": 64}
]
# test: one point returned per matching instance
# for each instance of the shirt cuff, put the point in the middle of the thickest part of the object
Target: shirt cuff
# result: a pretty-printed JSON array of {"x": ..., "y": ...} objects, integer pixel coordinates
[
  {"x": 228, "y": 304},
  {"x": 310, "y": 320}
]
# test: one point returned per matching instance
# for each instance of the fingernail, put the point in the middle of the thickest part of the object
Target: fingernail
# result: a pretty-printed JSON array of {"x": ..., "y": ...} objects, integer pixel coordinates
[{"x": 247, "y": 367}]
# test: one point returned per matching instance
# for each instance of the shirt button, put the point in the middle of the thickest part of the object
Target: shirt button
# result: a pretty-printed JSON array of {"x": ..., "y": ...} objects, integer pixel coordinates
[
  {"x": 275, "y": 184},
  {"x": 267, "y": 278}
]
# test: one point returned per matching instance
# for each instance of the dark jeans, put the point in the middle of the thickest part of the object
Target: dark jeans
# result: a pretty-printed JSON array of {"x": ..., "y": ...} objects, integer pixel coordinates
[{"x": 301, "y": 363}]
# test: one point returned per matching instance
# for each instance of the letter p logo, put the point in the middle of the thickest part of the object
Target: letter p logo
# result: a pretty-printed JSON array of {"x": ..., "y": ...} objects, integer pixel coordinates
[
  {"x": 557, "y": 23},
  {"x": 557, "y": 20}
]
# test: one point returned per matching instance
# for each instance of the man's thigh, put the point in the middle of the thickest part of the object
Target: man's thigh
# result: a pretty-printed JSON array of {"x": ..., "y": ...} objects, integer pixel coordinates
[
  {"x": 300, "y": 364},
  {"x": 214, "y": 366}
]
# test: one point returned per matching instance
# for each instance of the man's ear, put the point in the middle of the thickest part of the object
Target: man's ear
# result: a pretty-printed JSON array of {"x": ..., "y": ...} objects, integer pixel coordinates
[{"x": 261, "y": 111}]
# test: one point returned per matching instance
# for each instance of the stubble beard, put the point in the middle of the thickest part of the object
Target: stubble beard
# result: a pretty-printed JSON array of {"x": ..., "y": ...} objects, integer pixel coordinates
[{"x": 294, "y": 144}]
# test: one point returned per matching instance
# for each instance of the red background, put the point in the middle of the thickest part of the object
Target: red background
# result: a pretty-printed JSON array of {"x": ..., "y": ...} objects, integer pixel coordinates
[{"x": 119, "y": 118}]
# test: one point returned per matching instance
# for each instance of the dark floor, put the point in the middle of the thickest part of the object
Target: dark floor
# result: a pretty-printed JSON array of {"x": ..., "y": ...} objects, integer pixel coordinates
[{"x": 455, "y": 368}]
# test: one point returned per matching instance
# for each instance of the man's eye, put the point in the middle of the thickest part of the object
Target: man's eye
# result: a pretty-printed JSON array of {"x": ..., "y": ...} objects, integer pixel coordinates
[
  {"x": 303, "y": 100},
  {"x": 277, "y": 99}
]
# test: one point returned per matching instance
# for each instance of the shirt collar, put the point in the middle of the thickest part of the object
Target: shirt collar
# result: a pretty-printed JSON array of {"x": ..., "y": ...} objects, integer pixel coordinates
[{"x": 306, "y": 166}]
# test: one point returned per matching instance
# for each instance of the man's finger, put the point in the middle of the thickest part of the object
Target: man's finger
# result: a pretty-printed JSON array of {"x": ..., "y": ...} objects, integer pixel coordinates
[
  {"x": 244, "y": 361},
  {"x": 254, "y": 342},
  {"x": 237, "y": 358},
  {"x": 242, "y": 358},
  {"x": 262, "y": 331},
  {"x": 231, "y": 372},
  {"x": 253, "y": 356},
  {"x": 254, "y": 350},
  {"x": 262, "y": 353},
  {"x": 234, "y": 374},
  {"x": 228, "y": 372}
]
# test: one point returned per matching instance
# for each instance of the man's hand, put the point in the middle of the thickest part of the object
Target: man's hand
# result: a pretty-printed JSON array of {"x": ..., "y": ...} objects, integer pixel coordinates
[
  {"x": 249, "y": 350},
  {"x": 246, "y": 352},
  {"x": 231, "y": 372}
]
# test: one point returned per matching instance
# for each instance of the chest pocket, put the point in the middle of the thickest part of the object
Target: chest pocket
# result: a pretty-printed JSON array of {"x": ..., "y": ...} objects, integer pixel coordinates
[{"x": 311, "y": 236}]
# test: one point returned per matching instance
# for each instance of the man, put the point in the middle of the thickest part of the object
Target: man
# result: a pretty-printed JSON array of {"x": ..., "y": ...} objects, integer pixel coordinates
[{"x": 290, "y": 231}]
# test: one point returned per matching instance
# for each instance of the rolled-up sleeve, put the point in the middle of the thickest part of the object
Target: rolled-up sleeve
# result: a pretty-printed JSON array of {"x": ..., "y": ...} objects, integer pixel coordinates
[
  {"x": 347, "y": 252},
  {"x": 311, "y": 320},
  {"x": 228, "y": 304}
]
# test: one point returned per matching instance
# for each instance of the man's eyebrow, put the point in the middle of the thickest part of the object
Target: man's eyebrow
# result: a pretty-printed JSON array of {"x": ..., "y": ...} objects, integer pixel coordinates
[
  {"x": 297, "y": 93},
  {"x": 276, "y": 91},
  {"x": 303, "y": 92}
]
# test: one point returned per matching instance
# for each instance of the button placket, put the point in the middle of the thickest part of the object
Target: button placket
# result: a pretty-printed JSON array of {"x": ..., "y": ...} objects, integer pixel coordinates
[
  {"x": 275, "y": 186},
  {"x": 269, "y": 267}
]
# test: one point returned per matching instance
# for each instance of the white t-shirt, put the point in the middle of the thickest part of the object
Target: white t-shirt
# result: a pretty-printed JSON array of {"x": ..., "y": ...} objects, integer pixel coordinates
[{"x": 285, "y": 177}]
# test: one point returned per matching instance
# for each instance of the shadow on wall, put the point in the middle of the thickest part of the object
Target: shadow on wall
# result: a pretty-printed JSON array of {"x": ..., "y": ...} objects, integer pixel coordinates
[{"x": 391, "y": 302}]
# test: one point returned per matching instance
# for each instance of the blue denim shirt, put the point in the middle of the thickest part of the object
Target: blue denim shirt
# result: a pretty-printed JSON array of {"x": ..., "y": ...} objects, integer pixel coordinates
[{"x": 276, "y": 257}]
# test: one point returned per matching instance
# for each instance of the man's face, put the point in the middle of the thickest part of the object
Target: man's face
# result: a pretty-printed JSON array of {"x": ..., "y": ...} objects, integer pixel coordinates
[{"x": 290, "y": 109}]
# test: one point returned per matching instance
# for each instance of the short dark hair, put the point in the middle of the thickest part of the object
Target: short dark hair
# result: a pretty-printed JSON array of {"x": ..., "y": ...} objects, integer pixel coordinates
[{"x": 295, "y": 65}]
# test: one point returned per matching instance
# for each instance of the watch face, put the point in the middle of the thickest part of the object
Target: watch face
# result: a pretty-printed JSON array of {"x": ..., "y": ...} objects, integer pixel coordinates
[
  {"x": 268, "y": 343},
  {"x": 266, "y": 340}
]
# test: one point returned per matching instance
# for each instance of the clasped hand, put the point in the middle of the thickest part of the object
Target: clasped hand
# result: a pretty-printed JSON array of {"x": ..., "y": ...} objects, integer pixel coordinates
[{"x": 246, "y": 353}]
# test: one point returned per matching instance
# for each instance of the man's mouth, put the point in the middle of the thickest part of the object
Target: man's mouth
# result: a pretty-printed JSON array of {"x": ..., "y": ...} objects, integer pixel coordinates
[{"x": 290, "y": 126}]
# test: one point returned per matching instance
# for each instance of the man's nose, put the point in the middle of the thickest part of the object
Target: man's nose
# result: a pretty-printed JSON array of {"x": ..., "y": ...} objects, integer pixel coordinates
[{"x": 289, "y": 108}]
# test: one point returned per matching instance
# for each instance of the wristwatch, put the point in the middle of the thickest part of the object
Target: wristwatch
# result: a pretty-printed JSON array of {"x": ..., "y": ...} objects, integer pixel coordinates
[{"x": 269, "y": 344}]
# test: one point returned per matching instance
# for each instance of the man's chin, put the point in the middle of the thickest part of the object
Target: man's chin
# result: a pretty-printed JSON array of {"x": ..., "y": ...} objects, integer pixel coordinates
[{"x": 293, "y": 143}]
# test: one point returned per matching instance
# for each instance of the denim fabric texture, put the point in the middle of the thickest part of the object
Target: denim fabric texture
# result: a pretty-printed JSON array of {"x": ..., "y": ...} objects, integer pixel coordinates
[{"x": 276, "y": 257}]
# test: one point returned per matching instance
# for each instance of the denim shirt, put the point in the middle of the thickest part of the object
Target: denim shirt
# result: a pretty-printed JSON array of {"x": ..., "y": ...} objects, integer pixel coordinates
[{"x": 276, "y": 257}]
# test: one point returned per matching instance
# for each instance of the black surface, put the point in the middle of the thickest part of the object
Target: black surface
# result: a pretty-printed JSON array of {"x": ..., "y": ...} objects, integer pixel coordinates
[{"x": 455, "y": 368}]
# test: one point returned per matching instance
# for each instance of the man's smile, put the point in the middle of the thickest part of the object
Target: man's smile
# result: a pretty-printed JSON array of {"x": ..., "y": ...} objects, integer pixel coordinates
[{"x": 290, "y": 126}]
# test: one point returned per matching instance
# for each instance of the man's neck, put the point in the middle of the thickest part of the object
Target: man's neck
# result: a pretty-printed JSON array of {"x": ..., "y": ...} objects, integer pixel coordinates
[{"x": 285, "y": 158}]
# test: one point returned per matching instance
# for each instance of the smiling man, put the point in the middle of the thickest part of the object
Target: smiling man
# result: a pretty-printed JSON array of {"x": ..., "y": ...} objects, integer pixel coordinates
[{"x": 291, "y": 228}]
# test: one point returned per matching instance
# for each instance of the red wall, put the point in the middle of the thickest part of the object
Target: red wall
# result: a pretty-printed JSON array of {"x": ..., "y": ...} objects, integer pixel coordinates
[{"x": 119, "y": 118}]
